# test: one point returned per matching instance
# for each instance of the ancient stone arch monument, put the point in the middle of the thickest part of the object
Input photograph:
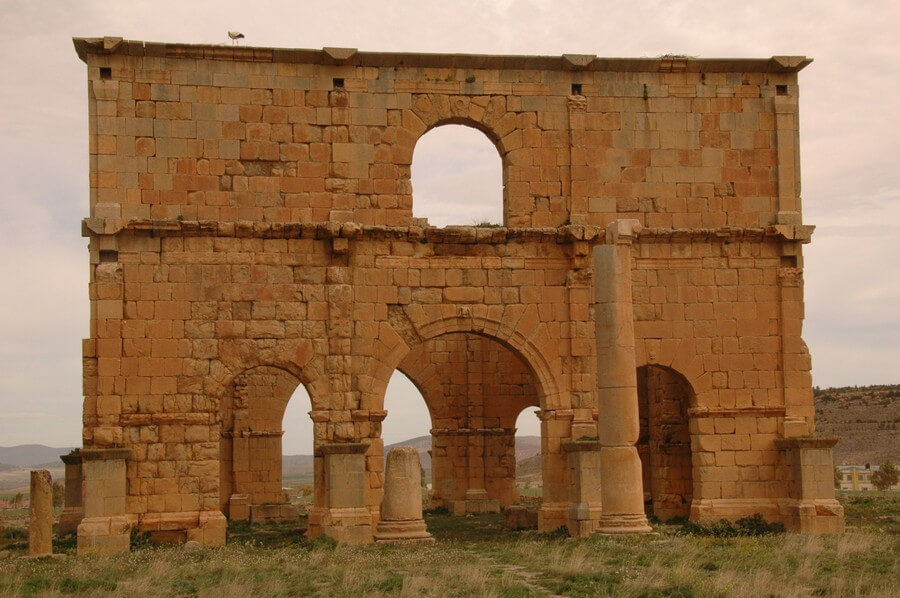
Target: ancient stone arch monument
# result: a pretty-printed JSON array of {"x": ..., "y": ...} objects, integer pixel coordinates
[{"x": 251, "y": 230}]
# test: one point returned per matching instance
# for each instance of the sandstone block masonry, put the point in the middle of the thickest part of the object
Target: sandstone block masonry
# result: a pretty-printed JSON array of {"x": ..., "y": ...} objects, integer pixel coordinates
[{"x": 251, "y": 230}]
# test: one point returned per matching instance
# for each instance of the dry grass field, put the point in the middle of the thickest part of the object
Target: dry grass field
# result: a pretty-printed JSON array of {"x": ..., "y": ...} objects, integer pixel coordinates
[{"x": 476, "y": 556}]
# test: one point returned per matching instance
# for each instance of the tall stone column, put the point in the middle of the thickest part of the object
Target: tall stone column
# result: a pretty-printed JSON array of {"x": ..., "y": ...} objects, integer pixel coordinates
[
  {"x": 621, "y": 489},
  {"x": 105, "y": 528},
  {"x": 73, "y": 511},
  {"x": 40, "y": 527}
]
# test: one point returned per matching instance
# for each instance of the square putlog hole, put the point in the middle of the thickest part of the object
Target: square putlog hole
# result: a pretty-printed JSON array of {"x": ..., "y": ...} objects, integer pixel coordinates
[
  {"x": 338, "y": 82},
  {"x": 576, "y": 89},
  {"x": 781, "y": 90},
  {"x": 105, "y": 72}
]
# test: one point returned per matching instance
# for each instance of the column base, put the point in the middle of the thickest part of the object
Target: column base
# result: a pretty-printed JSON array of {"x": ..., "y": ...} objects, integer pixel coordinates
[
  {"x": 402, "y": 531},
  {"x": 822, "y": 516},
  {"x": 552, "y": 516},
  {"x": 206, "y": 527},
  {"x": 584, "y": 519},
  {"x": 352, "y": 525},
  {"x": 623, "y": 523},
  {"x": 104, "y": 535}
]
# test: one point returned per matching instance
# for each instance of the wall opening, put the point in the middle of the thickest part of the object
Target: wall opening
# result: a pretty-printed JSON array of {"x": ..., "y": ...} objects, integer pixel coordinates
[
  {"x": 408, "y": 422},
  {"x": 254, "y": 414},
  {"x": 664, "y": 441},
  {"x": 457, "y": 178},
  {"x": 529, "y": 481},
  {"x": 297, "y": 466}
]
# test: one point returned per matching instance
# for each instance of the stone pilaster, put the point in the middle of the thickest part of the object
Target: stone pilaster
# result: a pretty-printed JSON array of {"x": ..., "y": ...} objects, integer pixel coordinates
[
  {"x": 813, "y": 507},
  {"x": 73, "y": 508},
  {"x": 618, "y": 424},
  {"x": 585, "y": 506},
  {"x": 105, "y": 528},
  {"x": 556, "y": 428},
  {"x": 345, "y": 516}
]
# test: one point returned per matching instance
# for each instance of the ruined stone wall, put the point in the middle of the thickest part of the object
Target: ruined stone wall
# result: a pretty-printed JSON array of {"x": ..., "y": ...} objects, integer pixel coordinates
[{"x": 252, "y": 208}]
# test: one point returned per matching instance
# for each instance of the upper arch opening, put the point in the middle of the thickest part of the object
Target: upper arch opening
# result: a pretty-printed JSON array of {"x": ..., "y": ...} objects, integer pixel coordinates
[{"x": 457, "y": 177}]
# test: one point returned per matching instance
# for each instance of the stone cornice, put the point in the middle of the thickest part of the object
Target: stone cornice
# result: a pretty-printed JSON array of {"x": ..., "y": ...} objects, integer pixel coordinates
[
  {"x": 350, "y": 56},
  {"x": 464, "y": 235}
]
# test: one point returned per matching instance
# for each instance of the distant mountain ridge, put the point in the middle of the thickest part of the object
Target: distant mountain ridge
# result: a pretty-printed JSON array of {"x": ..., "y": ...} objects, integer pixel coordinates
[
  {"x": 32, "y": 455},
  {"x": 299, "y": 465}
]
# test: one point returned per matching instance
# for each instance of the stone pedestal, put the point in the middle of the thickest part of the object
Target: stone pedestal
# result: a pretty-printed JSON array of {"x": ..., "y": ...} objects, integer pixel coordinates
[
  {"x": 618, "y": 425},
  {"x": 105, "y": 528},
  {"x": 73, "y": 509},
  {"x": 813, "y": 507},
  {"x": 40, "y": 525},
  {"x": 583, "y": 472},
  {"x": 344, "y": 516},
  {"x": 401, "y": 509}
]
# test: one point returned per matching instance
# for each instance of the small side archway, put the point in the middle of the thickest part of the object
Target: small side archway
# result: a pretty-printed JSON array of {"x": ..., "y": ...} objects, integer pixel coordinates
[
  {"x": 664, "y": 441},
  {"x": 252, "y": 412}
]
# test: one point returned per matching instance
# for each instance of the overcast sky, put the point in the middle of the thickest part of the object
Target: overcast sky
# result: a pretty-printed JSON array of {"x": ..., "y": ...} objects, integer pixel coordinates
[{"x": 850, "y": 145}]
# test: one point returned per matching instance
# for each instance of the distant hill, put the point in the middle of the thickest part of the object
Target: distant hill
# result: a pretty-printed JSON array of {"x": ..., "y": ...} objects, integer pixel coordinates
[
  {"x": 32, "y": 455},
  {"x": 302, "y": 465},
  {"x": 865, "y": 418}
]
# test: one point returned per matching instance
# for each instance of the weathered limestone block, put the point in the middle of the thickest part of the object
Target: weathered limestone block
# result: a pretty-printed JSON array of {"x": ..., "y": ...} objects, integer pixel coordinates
[
  {"x": 73, "y": 509},
  {"x": 105, "y": 528},
  {"x": 813, "y": 507},
  {"x": 401, "y": 509},
  {"x": 40, "y": 526},
  {"x": 344, "y": 515},
  {"x": 585, "y": 506},
  {"x": 520, "y": 517}
]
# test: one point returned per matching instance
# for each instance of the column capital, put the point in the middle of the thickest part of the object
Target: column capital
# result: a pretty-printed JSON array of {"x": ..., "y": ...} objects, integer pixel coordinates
[{"x": 623, "y": 231}]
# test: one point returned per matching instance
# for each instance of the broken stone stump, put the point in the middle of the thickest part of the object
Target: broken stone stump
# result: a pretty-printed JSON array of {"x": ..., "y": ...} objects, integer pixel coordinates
[
  {"x": 40, "y": 528},
  {"x": 520, "y": 517},
  {"x": 401, "y": 508}
]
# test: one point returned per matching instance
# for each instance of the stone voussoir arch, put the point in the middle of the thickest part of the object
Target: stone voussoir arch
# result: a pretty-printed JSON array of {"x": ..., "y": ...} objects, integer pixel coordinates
[
  {"x": 296, "y": 358},
  {"x": 382, "y": 367}
]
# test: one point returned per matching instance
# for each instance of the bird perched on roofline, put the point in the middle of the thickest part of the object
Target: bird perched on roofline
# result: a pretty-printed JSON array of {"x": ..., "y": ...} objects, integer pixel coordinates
[{"x": 235, "y": 36}]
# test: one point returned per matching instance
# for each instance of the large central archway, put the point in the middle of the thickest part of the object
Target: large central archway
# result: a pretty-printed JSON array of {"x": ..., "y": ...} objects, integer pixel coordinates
[{"x": 475, "y": 388}]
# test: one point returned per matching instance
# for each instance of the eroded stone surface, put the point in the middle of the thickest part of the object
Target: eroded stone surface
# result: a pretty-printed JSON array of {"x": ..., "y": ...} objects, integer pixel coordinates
[
  {"x": 40, "y": 523},
  {"x": 401, "y": 508},
  {"x": 251, "y": 230}
]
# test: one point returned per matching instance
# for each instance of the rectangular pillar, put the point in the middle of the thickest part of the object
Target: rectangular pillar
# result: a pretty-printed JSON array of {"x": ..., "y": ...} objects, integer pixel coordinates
[
  {"x": 585, "y": 501},
  {"x": 345, "y": 516},
  {"x": 105, "y": 528},
  {"x": 73, "y": 509},
  {"x": 813, "y": 507}
]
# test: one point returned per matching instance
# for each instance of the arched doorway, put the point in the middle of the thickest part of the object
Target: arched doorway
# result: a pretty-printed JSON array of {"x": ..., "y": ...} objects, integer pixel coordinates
[
  {"x": 475, "y": 388},
  {"x": 664, "y": 442},
  {"x": 250, "y": 450},
  {"x": 457, "y": 177}
]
